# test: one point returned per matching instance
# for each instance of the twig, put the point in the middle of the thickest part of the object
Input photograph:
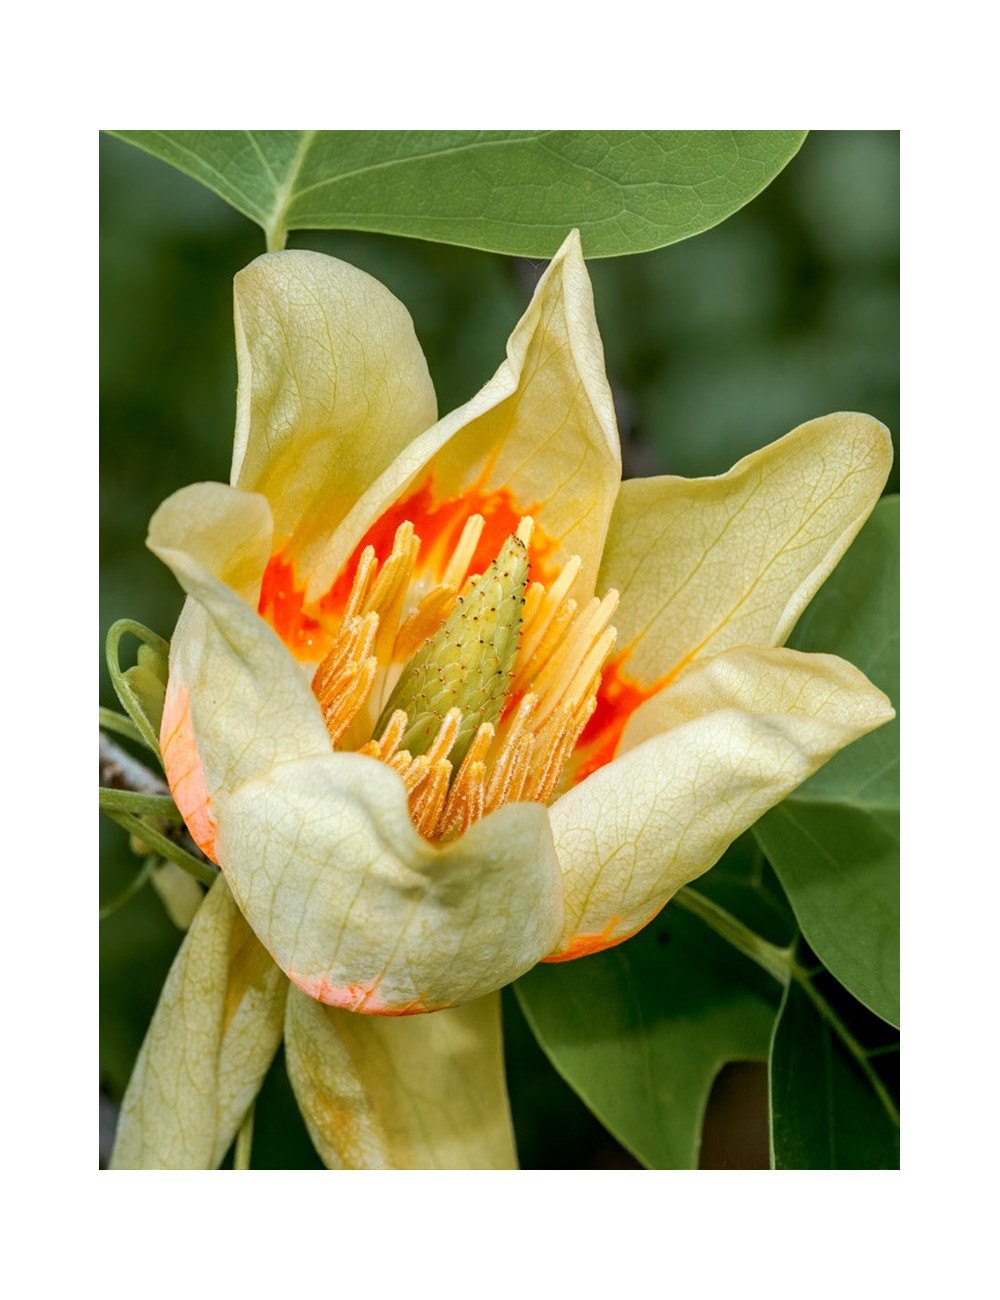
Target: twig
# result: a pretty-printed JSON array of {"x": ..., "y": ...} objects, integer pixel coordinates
[{"x": 120, "y": 771}]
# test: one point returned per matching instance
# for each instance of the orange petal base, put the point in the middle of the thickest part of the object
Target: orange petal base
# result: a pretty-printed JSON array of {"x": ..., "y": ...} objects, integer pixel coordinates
[
  {"x": 355, "y": 997},
  {"x": 582, "y": 945},
  {"x": 185, "y": 773},
  {"x": 439, "y": 523},
  {"x": 618, "y": 697}
]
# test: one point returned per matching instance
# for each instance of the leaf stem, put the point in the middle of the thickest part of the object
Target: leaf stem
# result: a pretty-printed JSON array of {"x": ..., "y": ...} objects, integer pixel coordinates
[
  {"x": 780, "y": 963},
  {"x": 165, "y": 847},
  {"x": 131, "y": 801},
  {"x": 275, "y": 226},
  {"x": 118, "y": 722},
  {"x": 244, "y": 1141},
  {"x": 776, "y": 961}
]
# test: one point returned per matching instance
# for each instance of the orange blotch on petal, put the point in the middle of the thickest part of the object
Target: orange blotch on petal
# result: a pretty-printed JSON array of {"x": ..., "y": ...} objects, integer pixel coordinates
[
  {"x": 438, "y": 522},
  {"x": 281, "y": 603},
  {"x": 582, "y": 945},
  {"x": 362, "y": 998},
  {"x": 618, "y": 697},
  {"x": 185, "y": 773}
]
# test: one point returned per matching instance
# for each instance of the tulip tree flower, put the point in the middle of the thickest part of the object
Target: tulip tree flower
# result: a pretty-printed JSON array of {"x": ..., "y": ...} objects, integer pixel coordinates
[{"x": 448, "y": 698}]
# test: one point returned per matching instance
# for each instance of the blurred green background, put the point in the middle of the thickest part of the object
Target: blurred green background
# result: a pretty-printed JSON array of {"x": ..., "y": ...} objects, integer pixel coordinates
[{"x": 715, "y": 347}]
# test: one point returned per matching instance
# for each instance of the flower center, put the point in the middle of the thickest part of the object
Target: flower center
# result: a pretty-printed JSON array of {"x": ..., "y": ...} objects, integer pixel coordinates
[{"x": 477, "y": 691}]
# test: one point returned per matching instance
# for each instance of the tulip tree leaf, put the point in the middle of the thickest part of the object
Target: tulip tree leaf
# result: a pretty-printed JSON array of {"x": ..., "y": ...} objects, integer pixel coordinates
[
  {"x": 825, "y": 1114},
  {"x": 517, "y": 192},
  {"x": 834, "y": 842},
  {"x": 640, "y": 1031}
]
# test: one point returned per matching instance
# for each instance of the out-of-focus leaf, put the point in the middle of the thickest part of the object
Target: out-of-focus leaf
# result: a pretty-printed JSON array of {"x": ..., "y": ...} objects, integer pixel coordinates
[
  {"x": 834, "y": 842},
  {"x": 825, "y": 1113},
  {"x": 554, "y": 1128},
  {"x": 640, "y": 1031},
  {"x": 514, "y": 192}
]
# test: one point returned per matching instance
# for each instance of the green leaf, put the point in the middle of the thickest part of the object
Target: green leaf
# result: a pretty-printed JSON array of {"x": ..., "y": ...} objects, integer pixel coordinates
[
  {"x": 109, "y": 720},
  {"x": 834, "y": 842},
  {"x": 516, "y": 192},
  {"x": 142, "y": 805},
  {"x": 640, "y": 1031},
  {"x": 825, "y": 1114}
]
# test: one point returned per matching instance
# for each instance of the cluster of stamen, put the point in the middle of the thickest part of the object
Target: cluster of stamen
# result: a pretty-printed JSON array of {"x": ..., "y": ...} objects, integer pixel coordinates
[{"x": 548, "y": 670}]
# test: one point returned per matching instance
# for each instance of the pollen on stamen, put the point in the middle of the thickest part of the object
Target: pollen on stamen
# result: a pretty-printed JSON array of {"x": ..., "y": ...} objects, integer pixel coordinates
[{"x": 475, "y": 692}]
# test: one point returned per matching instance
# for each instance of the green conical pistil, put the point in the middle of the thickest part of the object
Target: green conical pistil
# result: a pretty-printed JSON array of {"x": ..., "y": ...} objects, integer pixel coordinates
[{"x": 468, "y": 664}]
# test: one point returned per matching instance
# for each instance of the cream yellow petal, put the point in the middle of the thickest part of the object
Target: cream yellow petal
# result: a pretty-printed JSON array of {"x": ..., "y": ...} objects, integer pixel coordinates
[
  {"x": 543, "y": 429},
  {"x": 211, "y": 1040},
  {"x": 332, "y": 386},
  {"x": 707, "y": 564},
  {"x": 237, "y": 702},
  {"x": 361, "y": 912},
  {"x": 418, "y": 1092},
  {"x": 221, "y": 531},
  {"x": 718, "y": 748}
]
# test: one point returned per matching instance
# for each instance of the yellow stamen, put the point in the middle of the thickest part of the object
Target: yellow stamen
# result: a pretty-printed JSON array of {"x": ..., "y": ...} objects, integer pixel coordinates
[
  {"x": 427, "y": 803},
  {"x": 392, "y": 735},
  {"x": 465, "y": 800},
  {"x": 362, "y": 577},
  {"x": 534, "y": 631},
  {"x": 574, "y": 654},
  {"x": 464, "y": 551}
]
